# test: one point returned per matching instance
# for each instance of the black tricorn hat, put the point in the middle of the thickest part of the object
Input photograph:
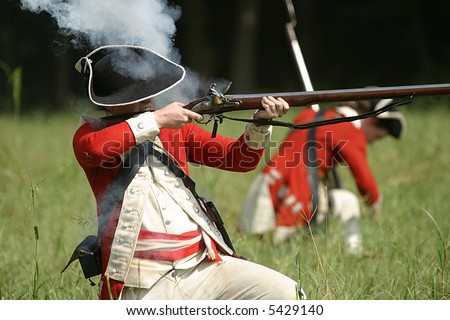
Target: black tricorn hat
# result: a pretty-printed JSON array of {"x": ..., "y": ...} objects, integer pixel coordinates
[
  {"x": 123, "y": 74},
  {"x": 393, "y": 119}
]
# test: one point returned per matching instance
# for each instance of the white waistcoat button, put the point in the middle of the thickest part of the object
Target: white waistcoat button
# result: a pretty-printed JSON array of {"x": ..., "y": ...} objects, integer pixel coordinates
[{"x": 128, "y": 210}]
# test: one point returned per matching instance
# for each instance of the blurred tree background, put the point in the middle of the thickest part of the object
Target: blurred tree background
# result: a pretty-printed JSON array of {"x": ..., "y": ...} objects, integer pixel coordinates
[{"x": 347, "y": 43}]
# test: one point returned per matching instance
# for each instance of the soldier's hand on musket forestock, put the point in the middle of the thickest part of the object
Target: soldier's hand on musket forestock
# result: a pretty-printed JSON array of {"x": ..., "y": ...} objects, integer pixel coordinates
[
  {"x": 273, "y": 108},
  {"x": 174, "y": 116}
]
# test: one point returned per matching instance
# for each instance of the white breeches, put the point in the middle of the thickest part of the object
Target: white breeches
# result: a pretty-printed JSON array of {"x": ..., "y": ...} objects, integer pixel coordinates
[
  {"x": 344, "y": 204},
  {"x": 234, "y": 278},
  {"x": 257, "y": 215}
]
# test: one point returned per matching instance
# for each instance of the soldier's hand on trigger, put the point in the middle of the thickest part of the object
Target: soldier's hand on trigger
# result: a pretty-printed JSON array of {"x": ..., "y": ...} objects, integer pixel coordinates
[{"x": 175, "y": 116}]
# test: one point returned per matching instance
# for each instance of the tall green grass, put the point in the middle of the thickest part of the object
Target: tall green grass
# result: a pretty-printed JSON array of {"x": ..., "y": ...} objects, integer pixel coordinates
[{"x": 46, "y": 208}]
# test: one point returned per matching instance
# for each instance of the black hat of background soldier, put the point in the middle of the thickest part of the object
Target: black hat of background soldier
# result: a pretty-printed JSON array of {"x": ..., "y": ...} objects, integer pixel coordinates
[
  {"x": 393, "y": 119},
  {"x": 123, "y": 74}
]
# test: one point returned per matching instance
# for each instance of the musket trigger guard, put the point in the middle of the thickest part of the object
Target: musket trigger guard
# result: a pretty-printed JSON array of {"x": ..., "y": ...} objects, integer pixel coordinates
[
  {"x": 207, "y": 118},
  {"x": 218, "y": 119}
]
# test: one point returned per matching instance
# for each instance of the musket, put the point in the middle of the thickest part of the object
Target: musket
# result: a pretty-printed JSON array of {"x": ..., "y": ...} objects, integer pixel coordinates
[{"x": 216, "y": 102}]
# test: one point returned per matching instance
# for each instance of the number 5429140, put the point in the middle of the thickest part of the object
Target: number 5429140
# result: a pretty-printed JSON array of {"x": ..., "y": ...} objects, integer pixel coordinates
[{"x": 292, "y": 310}]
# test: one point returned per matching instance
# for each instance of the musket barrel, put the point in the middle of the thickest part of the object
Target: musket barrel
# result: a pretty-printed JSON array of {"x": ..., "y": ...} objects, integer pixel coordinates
[{"x": 304, "y": 98}]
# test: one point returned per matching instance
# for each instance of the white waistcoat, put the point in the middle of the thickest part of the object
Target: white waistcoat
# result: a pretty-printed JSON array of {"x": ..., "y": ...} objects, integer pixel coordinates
[{"x": 141, "y": 203}]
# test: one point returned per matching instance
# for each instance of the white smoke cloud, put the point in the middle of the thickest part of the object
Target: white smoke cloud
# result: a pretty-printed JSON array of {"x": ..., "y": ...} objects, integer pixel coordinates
[{"x": 148, "y": 23}]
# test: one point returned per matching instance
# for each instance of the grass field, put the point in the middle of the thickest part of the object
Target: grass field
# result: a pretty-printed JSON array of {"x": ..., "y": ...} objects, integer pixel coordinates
[{"x": 46, "y": 208}]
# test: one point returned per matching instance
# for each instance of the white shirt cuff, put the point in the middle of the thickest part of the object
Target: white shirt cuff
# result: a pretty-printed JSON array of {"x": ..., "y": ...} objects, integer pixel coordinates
[
  {"x": 257, "y": 137},
  {"x": 144, "y": 126}
]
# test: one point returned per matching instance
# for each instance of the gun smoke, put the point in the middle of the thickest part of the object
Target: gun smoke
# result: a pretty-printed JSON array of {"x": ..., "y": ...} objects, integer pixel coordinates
[{"x": 147, "y": 23}]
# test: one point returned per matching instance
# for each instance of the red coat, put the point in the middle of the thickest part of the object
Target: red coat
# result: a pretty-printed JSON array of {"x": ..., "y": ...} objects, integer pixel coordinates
[
  {"x": 98, "y": 152},
  {"x": 339, "y": 143}
]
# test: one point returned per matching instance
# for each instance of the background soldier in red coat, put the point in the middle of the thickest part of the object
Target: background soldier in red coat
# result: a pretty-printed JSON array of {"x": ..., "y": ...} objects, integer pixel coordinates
[{"x": 290, "y": 191}]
